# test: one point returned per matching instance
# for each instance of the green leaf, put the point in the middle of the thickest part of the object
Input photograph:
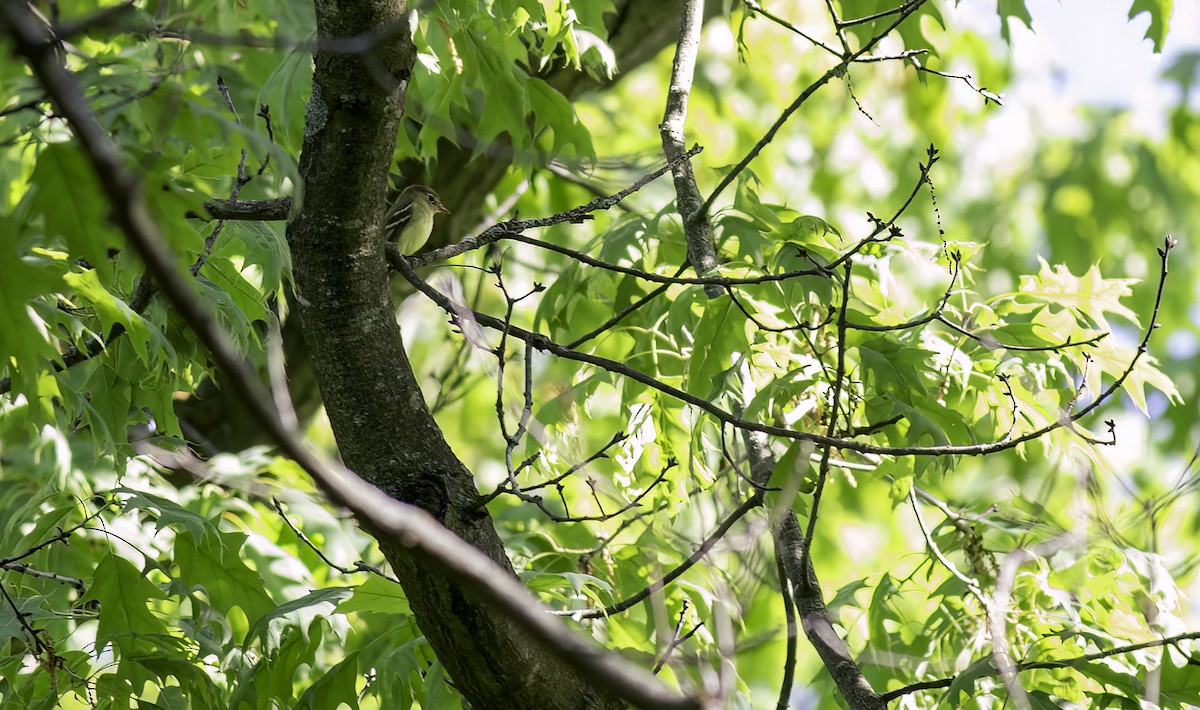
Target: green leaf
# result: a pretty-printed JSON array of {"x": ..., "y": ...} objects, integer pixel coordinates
[
  {"x": 196, "y": 686},
  {"x": 72, "y": 206},
  {"x": 22, "y": 339},
  {"x": 317, "y": 597},
  {"x": 336, "y": 688},
  {"x": 846, "y": 597},
  {"x": 1090, "y": 294},
  {"x": 1012, "y": 9},
  {"x": 376, "y": 595},
  {"x": 720, "y": 334},
  {"x": 1160, "y": 19},
  {"x": 169, "y": 513},
  {"x": 29, "y": 608},
  {"x": 964, "y": 681},
  {"x": 267, "y": 259},
  {"x": 211, "y": 562},
  {"x": 125, "y": 597},
  {"x": 286, "y": 91},
  {"x": 813, "y": 234},
  {"x": 553, "y": 113},
  {"x": 112, "y": 310},
  {"x": 507, "y": 93},
  {"x": 107, "y": 410}
]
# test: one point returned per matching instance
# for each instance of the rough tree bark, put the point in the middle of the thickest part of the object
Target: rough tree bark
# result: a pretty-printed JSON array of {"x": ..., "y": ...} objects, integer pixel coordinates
[
  {"x": 638, "y": 31},
  {"x": 374, "y": 404}
]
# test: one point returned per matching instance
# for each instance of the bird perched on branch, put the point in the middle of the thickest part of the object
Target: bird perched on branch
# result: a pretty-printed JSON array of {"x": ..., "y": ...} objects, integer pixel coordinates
[{"x": 410, "y": 219}]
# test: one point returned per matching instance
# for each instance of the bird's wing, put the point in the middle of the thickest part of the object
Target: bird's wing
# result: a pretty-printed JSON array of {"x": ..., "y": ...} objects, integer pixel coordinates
[{"x": 397, "y": 219}]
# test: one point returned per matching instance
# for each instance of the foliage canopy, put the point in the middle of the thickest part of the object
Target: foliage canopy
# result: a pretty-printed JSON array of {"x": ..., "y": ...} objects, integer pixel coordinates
[{"x": 891, "y": 381}]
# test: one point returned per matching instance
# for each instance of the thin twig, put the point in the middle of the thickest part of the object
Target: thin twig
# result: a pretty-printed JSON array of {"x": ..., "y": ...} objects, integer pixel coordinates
[
  {"x": 830, "y": 430},
  {"x": 545, "y": 344},
  {"x": 751, "y": 503},
  {"x": 407, "y": 525},
  {"x": 836, "y": 71},
  {"x": 359, "y": 566},
  {"x": 1073, "y": 662},
  {"x": 575, "y": 215}
]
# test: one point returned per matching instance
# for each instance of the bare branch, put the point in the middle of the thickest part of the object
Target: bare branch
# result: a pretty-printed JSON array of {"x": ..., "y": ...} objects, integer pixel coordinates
[
  {"x": 970, "y": 582},
  {"x": 23, "y": 568},
  {"x": 757, "y": 8},
  {"x": 543, "y": 343},
  {"x": 273, "y": 210},
  {"x": 789, "y": 613},
  {"x": 798, "y": 578},
  {"x": 677, "y": 638},
  {"x": 751, "y": 503},
  {"x": 831, "y": 430},
  {"x": 697, "y": 230},
  {"x": 842, "y": 24},
  {"x": 835, "y": 71},
  {"x": 408, "y": 525},
  {"x": 359, "y": 566},
  {"x": 576, "y": 215},
  {"x": 1074, "y": 662}
]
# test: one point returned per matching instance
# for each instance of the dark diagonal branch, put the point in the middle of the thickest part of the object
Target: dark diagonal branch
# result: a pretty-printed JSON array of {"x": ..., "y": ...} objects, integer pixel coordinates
[
  {"x": 815, "y": 621},
  {"x": 802, "y": 589},
  {"x": 543, "y": 343},
  {"x": 407, "y": 525}
]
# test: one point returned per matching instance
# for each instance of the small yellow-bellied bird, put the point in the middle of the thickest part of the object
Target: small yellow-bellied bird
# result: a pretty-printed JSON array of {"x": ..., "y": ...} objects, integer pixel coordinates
[{"x": 410, "y": 219}]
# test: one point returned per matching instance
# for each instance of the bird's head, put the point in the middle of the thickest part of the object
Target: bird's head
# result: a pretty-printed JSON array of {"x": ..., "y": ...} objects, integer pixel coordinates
[{"x": 422, "y": 194}]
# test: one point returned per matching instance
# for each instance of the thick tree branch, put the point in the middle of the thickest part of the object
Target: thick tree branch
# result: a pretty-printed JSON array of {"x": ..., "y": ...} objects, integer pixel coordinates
[
  {"x": 800, "y": 585},
  {"x": 638, "y": 32},
  {"x": 406, "y": 530},
  {"x": 814, "y": 617},
  {"x": 276, "y": 209},
  {"x": 697, "y": 231}
]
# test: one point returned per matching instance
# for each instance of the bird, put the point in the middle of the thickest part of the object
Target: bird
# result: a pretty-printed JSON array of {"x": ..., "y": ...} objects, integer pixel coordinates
[{"x": 409, "y": 220}]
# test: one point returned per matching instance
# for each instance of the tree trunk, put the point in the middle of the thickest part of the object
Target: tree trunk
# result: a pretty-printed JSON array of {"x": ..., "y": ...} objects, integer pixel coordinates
[
  {"x": 375, "y": 406},
  {"x": 638, "y": 31}
]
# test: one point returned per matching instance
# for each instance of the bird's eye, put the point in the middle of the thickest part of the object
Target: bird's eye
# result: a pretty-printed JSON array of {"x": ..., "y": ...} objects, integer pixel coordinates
[{"x": 432, "y": 199}]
